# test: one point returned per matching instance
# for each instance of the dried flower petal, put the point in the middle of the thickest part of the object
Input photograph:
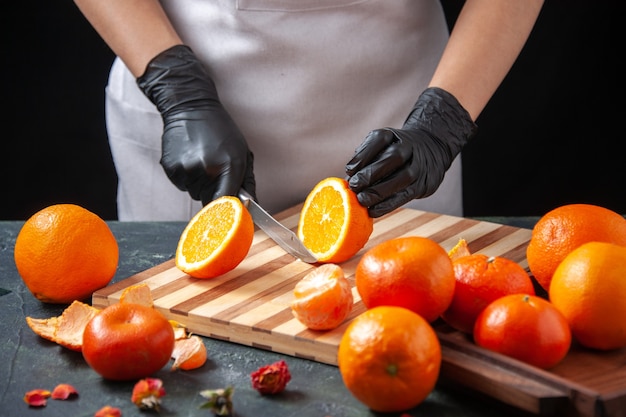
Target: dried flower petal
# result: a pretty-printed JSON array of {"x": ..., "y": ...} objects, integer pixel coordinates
[
  {"x": 37, "y": 397},
  {"x": 220, "y": 400},
  {"x": 271, "y": 379},
  {"x": 147, "y": 393},
  {"x": 63, "y": 392},
  {"x": 108, "y": 411}
]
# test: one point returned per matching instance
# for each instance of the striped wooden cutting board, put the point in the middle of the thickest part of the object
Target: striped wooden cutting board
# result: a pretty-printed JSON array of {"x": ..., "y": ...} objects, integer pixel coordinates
[{"x": 250, "y": 305}]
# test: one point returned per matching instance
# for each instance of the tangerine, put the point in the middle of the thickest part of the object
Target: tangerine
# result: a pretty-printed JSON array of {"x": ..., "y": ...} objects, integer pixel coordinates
[
  {"x": 333, "y": 225},
  {"x": 525, "y": 327},
  {"x": 589, "y": 288},
  {"x": 64, "y": 253},
  {"x": 480, "y": 279},
  {"x": 216, "y": 239},
  {"x": 389, "y": 358},
  {"x": 563, "y": 229},
  {"x": 128, "y": 341},
  {"x": 323, "y": 298},
  {"x": 411, "y": 272}
]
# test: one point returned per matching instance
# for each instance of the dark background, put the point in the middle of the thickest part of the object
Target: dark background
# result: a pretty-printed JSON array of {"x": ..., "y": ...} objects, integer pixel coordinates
[{"x": 550, "y": 135}]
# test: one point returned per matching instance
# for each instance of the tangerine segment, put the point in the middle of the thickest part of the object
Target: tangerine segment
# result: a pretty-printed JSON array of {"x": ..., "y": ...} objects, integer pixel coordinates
[
  {"x": 216, "y": 239},
  {"x": 389, "y": 358},
  {"x": 323, "y": 298},
  {"x": 333, "y": 225}
]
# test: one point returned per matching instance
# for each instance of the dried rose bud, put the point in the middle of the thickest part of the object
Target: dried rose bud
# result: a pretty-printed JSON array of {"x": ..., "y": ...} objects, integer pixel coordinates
[
  {"x": 147, "y": 393},
  {"x": 37, "y": 397},
  {"x": 220, "y": 401},
  {"x": 271, "y": 379},
  {"x": 108, "y": 411},
  {"x": 63, "y": 392}
]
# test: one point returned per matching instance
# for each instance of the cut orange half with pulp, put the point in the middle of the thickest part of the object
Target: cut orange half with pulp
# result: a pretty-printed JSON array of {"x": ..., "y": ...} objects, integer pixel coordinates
[
  {"x": 216, "y": 239},
  {"x": 333, "y": 225}
]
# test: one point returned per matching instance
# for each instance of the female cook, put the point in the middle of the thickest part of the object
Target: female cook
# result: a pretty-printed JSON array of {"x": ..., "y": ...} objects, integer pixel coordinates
[{"x": 206, "y": 97}]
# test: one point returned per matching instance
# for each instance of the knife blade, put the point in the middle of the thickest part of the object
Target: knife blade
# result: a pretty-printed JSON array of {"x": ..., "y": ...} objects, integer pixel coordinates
[{"x": 280, "y": 234}]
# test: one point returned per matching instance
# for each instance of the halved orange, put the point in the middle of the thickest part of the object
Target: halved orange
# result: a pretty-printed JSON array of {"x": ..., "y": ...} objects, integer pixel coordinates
[
  {"x": 323, "y": 298},
  {"x": 333, "y": 225},
  {"x": 216, "y": 239}
]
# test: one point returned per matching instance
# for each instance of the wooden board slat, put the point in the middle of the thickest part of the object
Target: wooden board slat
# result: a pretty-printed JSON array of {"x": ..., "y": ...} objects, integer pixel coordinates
[{"x": 250, "y": 305}]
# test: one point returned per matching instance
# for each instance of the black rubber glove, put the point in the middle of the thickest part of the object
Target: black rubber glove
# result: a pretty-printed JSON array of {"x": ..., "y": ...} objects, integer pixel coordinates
[
  {"x": 204, "y": 153},
  {"x": 393, "y": 166}
]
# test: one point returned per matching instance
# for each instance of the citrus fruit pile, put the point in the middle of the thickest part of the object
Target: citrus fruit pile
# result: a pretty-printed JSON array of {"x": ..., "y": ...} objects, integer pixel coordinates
[{"x": 577, "y": 252}]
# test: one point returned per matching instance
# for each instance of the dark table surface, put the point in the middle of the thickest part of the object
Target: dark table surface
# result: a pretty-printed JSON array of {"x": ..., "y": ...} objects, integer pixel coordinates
[{"x": 316, "y": 390}]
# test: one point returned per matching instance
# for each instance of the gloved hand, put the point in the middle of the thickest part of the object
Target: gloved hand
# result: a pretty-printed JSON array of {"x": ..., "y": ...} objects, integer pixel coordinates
[
  {"x": 203, "y": 151},
  {"x": 393, "y": 166}
]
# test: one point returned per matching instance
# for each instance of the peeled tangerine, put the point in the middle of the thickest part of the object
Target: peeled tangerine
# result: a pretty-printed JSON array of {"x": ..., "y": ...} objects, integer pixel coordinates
[{"x": 323, "y": 298}]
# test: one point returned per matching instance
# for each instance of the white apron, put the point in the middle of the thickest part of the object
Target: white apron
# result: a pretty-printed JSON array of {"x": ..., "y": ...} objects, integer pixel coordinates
[{"x": 305, "y": 81}]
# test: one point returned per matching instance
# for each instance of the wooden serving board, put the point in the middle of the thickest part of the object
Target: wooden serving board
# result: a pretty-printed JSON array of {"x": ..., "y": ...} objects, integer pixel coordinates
[{"x": 250, "y": 306}]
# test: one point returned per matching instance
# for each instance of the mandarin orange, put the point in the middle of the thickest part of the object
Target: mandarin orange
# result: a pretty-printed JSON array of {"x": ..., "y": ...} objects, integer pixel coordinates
[
  {"x": 411, "y": 272},
  {"x": 589, "y": 288},
  {"x": 323, "y": 298},
  {"x": 216, "y": 239},
  {"x": 480, "y": 279},
  {"x": 563, "y": 229},
  {"x": 333, "y": 225},
  {"x": 64, "y": 253},
  {"x": 389, "y": 358},
  {"x": 127, "y": 341},
  {"x": 525, "y": 327}
]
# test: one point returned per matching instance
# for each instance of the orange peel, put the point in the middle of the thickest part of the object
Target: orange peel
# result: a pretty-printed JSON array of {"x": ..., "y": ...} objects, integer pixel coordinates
[
  {"x": 189, "y": 353},
  {"x": 66, "y": 329}
]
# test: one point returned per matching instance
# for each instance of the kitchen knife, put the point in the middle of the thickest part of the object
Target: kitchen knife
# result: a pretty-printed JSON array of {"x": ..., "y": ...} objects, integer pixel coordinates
[{"x": 285, "y": 238}]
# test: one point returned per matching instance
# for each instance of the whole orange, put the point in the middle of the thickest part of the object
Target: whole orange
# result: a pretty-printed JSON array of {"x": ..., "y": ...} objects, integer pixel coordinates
[
  {"x": 563, "y": 229},
  {"x": 525, "y": 327},
  {"x": 127, "y": 341},
  {"x": 389, "y": 358},
  {"x": 411, "y": 272},
  {"x": 480, "y": 279},
  {"x": 64, "y": 253},
  {"x": 589, "y": 288}
]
